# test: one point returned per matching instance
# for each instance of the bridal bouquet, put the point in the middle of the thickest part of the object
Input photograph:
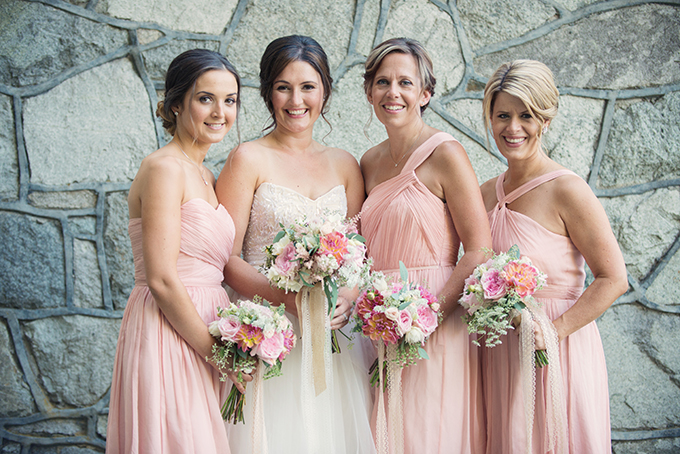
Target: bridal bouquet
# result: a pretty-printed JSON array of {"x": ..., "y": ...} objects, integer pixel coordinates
[
  {"x": 397, "y": 313},
  {"x": 326, "y": 251},
  {"x": 496, "y": 292},
  {"x": 249, "y": 331}
]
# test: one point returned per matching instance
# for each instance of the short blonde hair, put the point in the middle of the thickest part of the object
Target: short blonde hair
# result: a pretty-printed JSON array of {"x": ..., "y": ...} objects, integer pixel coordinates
[
  {"x": 403, "y": 46},
  {"x": 529, "y": 80}
]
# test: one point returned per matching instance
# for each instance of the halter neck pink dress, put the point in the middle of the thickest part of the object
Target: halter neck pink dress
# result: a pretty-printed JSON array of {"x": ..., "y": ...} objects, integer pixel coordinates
[
  {"x": 165, "y": 398},
  {"x": 442, "y": 396},
  {"x": 582, "y": 359}
]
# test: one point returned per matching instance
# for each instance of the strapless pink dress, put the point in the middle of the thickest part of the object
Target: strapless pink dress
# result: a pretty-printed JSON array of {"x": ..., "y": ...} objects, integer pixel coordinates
[
  {"x": 442, "y": 396},
  {"x": 165, "y": 398},
  {"x": 581, "y": 354}
]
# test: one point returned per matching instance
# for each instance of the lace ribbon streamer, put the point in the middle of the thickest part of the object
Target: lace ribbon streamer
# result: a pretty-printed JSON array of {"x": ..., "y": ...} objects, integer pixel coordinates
[
  {"x": 555, "y": 426},
  {"x": 316, "y": 387},
  {"x": 259, "y": 435},
  {"x": 394, "y": 403}
]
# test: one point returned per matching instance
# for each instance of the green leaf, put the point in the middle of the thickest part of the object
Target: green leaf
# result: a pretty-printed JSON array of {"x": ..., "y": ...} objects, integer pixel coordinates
[
  {"x": 404, "y": 305},
  {"x": 356, "y": 236},
  {"x": 519, "y": 306},
  {"x": 302, "y": 278},
  {"x": 241, "y": 353},
  {"x": 403, "y": 272},
  {"x": 513, "y": 252},
  {"x": 279, "y": 235},
  {"x": 423, "y": 353},
  {"x": 330, "y": 288}
]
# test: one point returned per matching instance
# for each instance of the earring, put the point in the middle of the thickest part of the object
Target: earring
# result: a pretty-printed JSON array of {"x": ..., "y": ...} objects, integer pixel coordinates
[
  {"x": 175, "y": 112},
  {"x": 545, "y": 129}
]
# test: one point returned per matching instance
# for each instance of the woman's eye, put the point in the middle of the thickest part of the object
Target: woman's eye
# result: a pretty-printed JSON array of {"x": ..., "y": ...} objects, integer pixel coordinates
[
  {"x": 231, "y": 101},
  {"x": 281, "y": 88},
  {"x": 308, "y": 87},
  {"x": 204, "y": 99},
  {"x": 381, "y": 82},
  {"x": 406, "y": 82}
]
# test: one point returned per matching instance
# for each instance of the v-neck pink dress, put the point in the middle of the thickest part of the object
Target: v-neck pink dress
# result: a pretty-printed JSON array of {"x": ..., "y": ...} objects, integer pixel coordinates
[
  {"x": 442, "y": 396},
  {"x": 165, "y": 398},
  {"x": 582, "y": 359}
]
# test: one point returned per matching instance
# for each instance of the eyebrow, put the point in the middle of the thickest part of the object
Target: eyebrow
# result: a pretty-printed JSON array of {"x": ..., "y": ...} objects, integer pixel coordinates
[
  {"x": 301, "y": 83},
  {"x": 212, "y": 94}
]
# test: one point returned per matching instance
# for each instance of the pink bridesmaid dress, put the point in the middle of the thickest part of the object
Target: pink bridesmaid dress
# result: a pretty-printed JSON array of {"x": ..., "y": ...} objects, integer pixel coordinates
[
  {"x": 165, "y": 398},
  {"x": 582, "y": 359},
  {"x": 442, "y": 396}
]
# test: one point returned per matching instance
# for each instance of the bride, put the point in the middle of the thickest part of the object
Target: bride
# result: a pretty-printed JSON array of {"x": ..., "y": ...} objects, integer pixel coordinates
[{"x": 278, "y": 178}]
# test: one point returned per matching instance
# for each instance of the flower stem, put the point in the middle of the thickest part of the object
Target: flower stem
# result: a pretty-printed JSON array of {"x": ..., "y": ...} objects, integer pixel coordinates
[
  {"x": 541, "y": 358},
  {"x": 232, "y": 410}
]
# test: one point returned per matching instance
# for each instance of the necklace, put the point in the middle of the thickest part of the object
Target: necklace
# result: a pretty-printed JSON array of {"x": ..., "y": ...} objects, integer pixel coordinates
[
  {"x": 389, "y": 150},
  {"x": 193, "y": 162}
]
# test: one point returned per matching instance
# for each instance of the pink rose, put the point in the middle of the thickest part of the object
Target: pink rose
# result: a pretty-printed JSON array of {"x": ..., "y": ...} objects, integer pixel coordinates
[
  {"x": 229, "y": 327},
  {"x": 269, "y": 349},
  {"x": 427, "y": 319},
  {"x": 404, "y": 322},
  {"x": 285, "y": 261},
  {"x": 494, "y": 285}
]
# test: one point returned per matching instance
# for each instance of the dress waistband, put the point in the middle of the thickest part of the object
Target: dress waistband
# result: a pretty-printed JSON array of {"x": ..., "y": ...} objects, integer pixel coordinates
[
  {"x": 559, "y": 291},
  {"x": 418, "y": 268},
  {"x": 143, "y": 283}
]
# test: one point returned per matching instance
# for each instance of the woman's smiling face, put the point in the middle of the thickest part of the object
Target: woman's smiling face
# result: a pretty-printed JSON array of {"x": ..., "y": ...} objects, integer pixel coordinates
[{"x": 515, "y": 131}]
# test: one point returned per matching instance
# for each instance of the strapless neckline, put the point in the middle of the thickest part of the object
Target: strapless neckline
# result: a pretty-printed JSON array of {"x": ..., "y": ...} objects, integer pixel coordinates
[{"x": 293, "y": 191}]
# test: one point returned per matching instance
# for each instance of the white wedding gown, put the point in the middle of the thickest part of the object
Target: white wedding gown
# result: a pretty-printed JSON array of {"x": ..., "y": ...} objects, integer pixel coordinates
[{"x": 336, "y": 421}]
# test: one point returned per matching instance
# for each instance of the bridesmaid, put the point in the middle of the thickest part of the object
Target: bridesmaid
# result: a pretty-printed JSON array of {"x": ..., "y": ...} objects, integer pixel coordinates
[
  {"x": 165, "y": 397},
  {"x": 554, "y": 217},
  {"x": 423, "y": 201}
]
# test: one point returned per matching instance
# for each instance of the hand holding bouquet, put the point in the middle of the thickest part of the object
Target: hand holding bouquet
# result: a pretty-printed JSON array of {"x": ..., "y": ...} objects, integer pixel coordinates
[
  {"x": 400, "y": 313},
  {"x": 248, "y": 332},
  {"x": 326, "y": 251},
  {"x": 498, "y": 290}
]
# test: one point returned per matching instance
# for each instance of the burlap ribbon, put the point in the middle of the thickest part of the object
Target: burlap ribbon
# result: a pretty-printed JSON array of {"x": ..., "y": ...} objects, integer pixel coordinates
[
  {"x": 555, "y": 426},
  {"x": 313, "y": 299}
]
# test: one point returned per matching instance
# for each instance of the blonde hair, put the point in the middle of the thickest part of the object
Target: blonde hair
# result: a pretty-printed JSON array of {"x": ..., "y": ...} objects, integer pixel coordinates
[
  {"x": 402, "y": 46},
  {"x": 529, "y": 80}
]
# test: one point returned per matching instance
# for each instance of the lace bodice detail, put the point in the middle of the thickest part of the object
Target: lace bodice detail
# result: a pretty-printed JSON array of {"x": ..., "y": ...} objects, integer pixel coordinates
[{"x": 274, "y": 204}]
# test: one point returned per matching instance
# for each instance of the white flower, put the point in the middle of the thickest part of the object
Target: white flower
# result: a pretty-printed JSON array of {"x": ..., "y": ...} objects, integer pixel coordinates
[
  {"x": 277, "y": 247},
  {"x": 392, "y": 313},
  {"x": 414, "y": 336},
  {"x": 214, "y": 329},
  {"x": 380, "y": 284}
]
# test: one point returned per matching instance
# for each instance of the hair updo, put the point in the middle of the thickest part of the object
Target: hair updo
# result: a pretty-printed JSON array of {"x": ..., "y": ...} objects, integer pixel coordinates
[
  {"x": 182, "y": 74},
  {"x": 529, "y": 80}
]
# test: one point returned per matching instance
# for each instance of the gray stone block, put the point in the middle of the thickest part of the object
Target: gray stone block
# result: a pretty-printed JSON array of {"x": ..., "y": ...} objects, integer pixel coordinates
[
  {"x": 606, "y": 50},
  {"x": 103, "y": 138},
  {"x": 188, "y": 15},
  {"x": 643, "y": 143},
  {"x": 119, "y": 258},
  {"x": 666, "y": 285},
  {"x": 640, "y": 356},
  {"x": 74, "y": 356},
  {"x": 15, "y": 395},
  {"x": 32, "y": 263},
  {"x": 9, "y": 166},
  {"x": 490, "y": 21},
  {"x": 273, "y": 19},
  {"x": 87, "y": 288},
  {"x": 58, "y": 427},
  {"x": 37, "y": 42},
  {"x": 63, "y": 199},
  {"x": 157, "y": 59}
]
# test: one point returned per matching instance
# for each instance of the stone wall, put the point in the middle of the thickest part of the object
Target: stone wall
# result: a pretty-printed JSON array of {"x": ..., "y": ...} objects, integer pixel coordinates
[{"x": 79, "y": 81}]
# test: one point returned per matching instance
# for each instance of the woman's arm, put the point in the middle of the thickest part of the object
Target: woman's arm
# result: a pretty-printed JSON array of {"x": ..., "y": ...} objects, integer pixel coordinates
[
  {"x": 588, "y": 227},
  {"x": 235, "y": 190},
  {"x": 463, "y": 198},
  {"x": 160, "y": 188}
]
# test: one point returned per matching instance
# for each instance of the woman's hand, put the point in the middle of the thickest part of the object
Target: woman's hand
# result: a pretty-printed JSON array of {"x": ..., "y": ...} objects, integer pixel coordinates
[
  {"x": 538, "y": 337},
  {"x": 343, "y": 307}
]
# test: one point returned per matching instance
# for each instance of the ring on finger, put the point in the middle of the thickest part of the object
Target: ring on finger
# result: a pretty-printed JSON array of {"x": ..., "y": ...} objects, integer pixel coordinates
[{"x": 346, "y": 317}]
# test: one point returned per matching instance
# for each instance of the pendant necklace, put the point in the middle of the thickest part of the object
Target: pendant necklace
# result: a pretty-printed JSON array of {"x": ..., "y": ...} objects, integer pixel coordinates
[
  {"x": 396, "y": 163},
  {"x": 193, "y": 162}
]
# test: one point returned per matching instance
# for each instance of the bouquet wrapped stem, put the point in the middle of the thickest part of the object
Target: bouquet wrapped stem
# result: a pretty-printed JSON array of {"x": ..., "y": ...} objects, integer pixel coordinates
[{"x": 249, "y": 333}]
